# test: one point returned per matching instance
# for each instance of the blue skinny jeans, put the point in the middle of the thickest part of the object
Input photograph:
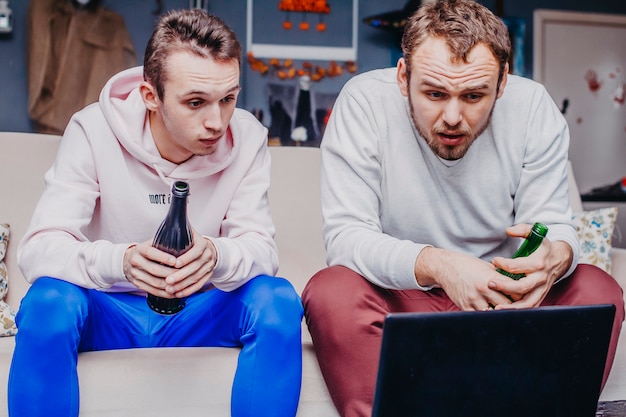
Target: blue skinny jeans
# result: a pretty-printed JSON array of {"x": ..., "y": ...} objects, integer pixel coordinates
[{"x": 57, "y": 320}]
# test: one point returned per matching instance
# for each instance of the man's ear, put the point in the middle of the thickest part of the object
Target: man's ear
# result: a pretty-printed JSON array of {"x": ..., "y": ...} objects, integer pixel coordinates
[
  {"x": 149, "y": 95},
  {"x": 505, "y": 74},
  {"x": 403, "y": 77}
]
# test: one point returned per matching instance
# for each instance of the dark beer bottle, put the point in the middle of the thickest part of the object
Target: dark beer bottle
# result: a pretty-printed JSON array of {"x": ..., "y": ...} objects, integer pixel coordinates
[{"x": 174, "y": 237}]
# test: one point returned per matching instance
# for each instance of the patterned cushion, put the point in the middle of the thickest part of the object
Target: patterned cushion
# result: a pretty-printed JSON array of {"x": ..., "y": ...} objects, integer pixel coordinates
[
  {"x": 595, "y": 230},
  {"x": 7, "y": 316}
]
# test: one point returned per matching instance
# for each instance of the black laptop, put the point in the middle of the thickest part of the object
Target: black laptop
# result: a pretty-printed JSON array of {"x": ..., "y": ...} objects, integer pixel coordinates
[{"x": 542, "y": 362}]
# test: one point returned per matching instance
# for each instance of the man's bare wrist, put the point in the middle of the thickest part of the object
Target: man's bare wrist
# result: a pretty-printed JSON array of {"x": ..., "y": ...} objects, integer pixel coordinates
[{"x": 425, "y": 266}]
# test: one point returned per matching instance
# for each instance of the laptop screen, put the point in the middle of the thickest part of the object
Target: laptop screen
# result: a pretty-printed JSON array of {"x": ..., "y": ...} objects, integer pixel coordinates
[{"x": 541, "y": 362}]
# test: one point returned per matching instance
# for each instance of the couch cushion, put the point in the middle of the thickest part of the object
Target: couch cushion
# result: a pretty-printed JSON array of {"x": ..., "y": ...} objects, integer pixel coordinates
[
  {"x": 146, "y": 382},
  {"x": 574, "y": 193},
  {"x": 595, "y": 231},
  {"x": 28, "y": 156},
  {"x": 7, "y": 316},
  {"x": 294, "y": 196}
]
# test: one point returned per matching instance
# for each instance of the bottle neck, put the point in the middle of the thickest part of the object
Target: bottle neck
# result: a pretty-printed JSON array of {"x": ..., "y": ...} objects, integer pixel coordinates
[
  {"x": 534, "y": 239},
  {"x": 180, "y": 191},
  {"x": 178, "y": 207},
  {"x": 532, "y": 242}
]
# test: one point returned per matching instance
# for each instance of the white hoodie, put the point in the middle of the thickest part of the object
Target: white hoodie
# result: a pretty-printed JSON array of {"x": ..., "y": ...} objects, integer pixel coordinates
[{"x": 109, "y": 188}]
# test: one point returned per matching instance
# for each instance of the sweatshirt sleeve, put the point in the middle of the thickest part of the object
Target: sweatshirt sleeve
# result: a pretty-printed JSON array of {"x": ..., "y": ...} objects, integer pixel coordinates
[
  {"x": 56, "y": 243},
  {"x": 246, "y": 246},
  {"x": 351, "y": 176},
  {"x": 543, "y": 191}
]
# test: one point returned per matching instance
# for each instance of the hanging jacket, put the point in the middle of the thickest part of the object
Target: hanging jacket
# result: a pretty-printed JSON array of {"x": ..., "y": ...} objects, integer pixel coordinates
[{"x": 72, "y": 52}]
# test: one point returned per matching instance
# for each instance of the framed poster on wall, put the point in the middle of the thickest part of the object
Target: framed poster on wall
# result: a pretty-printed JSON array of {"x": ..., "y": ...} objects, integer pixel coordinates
[
  {"x": 272, "y": 33},
  {"x": 581, "y": 59}
]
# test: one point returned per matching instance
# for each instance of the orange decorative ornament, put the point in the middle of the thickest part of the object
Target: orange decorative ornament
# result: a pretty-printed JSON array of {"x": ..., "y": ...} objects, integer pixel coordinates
[
  {"x": 286, "y": 69},
  {"x": 308, "y": 6},
  {"x": 320, "y": 7}
]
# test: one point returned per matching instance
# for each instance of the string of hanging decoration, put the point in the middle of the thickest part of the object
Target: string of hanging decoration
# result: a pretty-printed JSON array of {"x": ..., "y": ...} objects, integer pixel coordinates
[
  {"x": 306, "y": 7},
  {"x": 286, "y": 69}
]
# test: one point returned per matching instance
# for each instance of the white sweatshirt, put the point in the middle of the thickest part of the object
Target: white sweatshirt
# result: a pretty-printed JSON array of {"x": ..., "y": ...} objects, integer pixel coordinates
[
  {"x": 110, "y": 188},
  {"x": 386, "y": 195}
]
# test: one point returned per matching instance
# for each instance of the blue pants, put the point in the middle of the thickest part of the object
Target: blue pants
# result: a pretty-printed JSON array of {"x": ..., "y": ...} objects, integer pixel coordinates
[{"x": 57, "y": 320}]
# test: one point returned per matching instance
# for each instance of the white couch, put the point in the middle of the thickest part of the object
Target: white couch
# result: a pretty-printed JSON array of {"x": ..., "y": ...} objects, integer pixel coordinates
[{"x": 138, "y": 382}]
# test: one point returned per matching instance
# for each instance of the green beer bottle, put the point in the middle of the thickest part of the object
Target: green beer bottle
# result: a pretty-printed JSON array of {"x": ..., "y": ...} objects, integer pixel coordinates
[{"x": 530, "y": 244}]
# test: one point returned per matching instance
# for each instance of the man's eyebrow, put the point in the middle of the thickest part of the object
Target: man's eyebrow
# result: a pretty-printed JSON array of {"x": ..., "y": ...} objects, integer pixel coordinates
[
  {"x": 468, "y": 88},
  {"x": 200, "y": 92},
  {"x": 233, "y": 89},
  {"x": 432, "y": 84},
  {"x": 477, "y": 87}
]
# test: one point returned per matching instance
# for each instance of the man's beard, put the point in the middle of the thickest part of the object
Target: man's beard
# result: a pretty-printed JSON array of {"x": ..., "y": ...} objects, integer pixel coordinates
[{"x": 447, "y": 152}]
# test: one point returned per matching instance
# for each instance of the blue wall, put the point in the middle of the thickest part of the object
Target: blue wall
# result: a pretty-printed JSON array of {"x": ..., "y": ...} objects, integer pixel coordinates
[{"x": 374, "y": 49}]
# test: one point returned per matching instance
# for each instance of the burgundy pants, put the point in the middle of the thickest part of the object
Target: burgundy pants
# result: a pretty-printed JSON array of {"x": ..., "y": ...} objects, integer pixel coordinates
[{"x": 345, "y": 313}]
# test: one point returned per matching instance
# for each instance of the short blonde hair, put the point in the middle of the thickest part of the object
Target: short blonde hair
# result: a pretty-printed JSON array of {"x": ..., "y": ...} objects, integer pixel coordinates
[{"x": 463, "y": 24}]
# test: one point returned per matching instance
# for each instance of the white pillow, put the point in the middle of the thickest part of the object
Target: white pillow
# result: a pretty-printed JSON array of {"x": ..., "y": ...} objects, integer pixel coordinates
[
  {"x": 595, "y": 231},
  {"x": 7, "y": 316}
]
